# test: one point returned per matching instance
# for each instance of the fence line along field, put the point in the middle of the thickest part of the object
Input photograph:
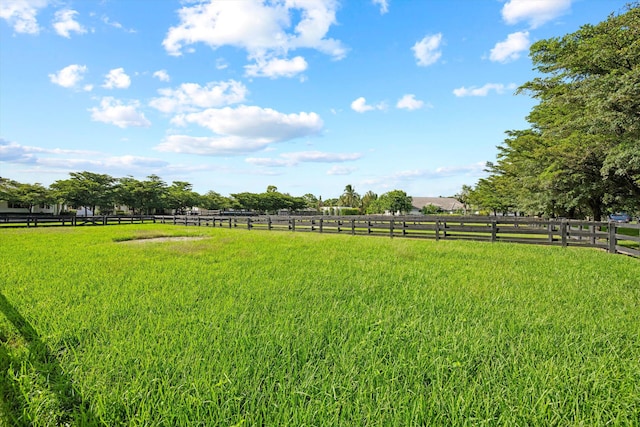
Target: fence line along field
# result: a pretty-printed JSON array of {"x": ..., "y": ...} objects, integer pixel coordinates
[
  {"x": 245, "y": 328},
  {"x": 612, "y": 236}
]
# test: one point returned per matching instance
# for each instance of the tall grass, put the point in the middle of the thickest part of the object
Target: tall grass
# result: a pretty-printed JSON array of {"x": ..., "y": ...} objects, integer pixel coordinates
[{"x": 258, "y": 328}]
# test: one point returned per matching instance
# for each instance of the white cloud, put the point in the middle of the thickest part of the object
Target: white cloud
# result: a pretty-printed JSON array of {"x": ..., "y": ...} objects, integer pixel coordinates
[
  {"x": 484, "y": 90},
  {"x": 240, "y": 130},
  {"x": 427, "y": 51},
  {"x": 70, "y": 76},
  {"x": 341, "y": 170},
  {"x": 255, "y": 123},
  {"x": 190, "y": 96},
  {"x": 360, "y": 105},
  {"x": 409, "y": 102},
  {"x": 510, "y": 49},
  {"x": 211, "y": 146},
  {"x": 292, "y": 159},
  {"x": 117, "y": 25},
  {"x": 535, "y": 12},
  {"x": 384, "y": 5},
  {"x": 275, "y": 67},
  {"x": 21, "y": 14},
  {"x": 64, "y": 23},
  {"x": 114, "y": 112},
  {"x": 162, "y": 75},
  {"x": 266, "y": 30},
  {"x": 117, "y": 79},
  {"x": 441, "y": 172}
]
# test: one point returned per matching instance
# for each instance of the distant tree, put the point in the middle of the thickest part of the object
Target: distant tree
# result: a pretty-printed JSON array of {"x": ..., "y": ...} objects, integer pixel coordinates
[
  {"x": 27, "y": 195},
  {"x": 311, "y": 201},
  {"x": 367, "y": 199},
  {"x": 214, "y": 201},
  {"x": 180, "y": 196},
  {"x": 87, "y": 189},
  {"x": 395, "y": 201},
  {"x": 431, "y": 209},
  {"x": 349, "y": 197}
]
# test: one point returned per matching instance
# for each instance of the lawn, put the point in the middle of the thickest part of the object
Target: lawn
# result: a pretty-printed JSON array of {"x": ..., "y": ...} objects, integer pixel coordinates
[{"x": 275, "y": 328}]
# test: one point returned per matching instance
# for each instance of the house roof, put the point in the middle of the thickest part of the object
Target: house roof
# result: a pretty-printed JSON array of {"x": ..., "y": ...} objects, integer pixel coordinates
[{"x": 444, "y": 203}]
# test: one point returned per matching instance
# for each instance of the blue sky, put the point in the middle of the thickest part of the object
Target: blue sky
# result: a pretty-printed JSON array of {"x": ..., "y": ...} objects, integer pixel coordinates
[{"x": 236, "y": 95}]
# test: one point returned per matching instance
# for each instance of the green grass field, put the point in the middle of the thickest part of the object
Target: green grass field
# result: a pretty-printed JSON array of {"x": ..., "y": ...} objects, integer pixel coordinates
[{"x": 302, "y": 329}]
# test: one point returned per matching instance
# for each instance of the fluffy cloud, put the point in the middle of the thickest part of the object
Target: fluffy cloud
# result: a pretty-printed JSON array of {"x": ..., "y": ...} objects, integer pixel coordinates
[
  {"x": 275, "y": 67},
  {"x": 255, "y": 123},
  {"x": 427, "y": 51},
  {"x": 535, "y": 12},
  {"x": 442, "y": 172},
  {"x": 266, "y": 30},
  {"x": 360, "y": 105},
  {"x": 190, "y": 96},
  {"x": 292, "y": 159},
  {"x": 341, "y": 170},
  {"x": 117, "y": 79},
  {"x": 64, "y": 23},
  {"x": 384, "y": 5},
  {"x": 240, "y": 130},
  {"x": 510, "y": 49},
  {"x": 162, "y": 75},
  {"x": 69, "y": 76},
  {"x": 484, "y": 90},
  {"x": 21, "y": 14},
  {"x": 211, "y": 146},
  {"x": 57, "y": 158},
  {"x": 409, "y": 102},
  {"x": 114, "y": 112}
]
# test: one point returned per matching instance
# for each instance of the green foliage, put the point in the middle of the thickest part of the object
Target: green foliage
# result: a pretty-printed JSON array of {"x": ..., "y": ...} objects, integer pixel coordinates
[
  {"x": 262, "y": 328},
  {"x": 431, "y": 210},
  {"x": 27, "y": 195},
  {"x": 349, "y": 211},
  {"x": 581, "y": 155}
]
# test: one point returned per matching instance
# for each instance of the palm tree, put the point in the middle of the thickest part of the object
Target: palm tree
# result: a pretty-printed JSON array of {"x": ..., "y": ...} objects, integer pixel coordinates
[{"x": 349, "y": 197}]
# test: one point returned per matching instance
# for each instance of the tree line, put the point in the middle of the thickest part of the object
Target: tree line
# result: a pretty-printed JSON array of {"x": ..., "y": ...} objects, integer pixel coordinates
[
  {"x": 102, "y": 193},
  {"x": 580, "y": 157}
]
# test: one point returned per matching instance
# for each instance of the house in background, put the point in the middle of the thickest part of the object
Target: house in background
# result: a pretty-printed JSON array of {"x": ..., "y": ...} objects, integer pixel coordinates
[
  {"x": 445, "y": 204},
  {"x": 17, "y": 208}
]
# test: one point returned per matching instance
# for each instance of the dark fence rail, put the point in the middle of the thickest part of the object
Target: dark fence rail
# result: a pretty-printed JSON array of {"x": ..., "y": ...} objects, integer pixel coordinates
[
  {"x": 15, "y": 221},
  {"x": 610, "y": 236}
]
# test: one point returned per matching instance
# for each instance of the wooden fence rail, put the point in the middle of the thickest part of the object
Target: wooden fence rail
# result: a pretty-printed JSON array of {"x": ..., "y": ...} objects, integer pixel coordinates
[
  {"x": 14, "y": 221},
  {"x": 610, "y": 236}
]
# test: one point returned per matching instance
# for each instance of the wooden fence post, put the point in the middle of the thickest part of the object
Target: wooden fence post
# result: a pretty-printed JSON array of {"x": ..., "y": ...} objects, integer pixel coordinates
[
  {"x": 321, "y": 222},
  {"x": 268, "y": 223},
  {"x": 391, "y": 224},
  {"x": 353, "y": 226},
  {"x": 612, "y": 237},
  {"x": 248, "y": 223},
  {"x": 293, "y": 224},
  {"x": 563, "y": 232},
  {"x": 494, "y": 230},
  {"x": 437, "y": 230}
]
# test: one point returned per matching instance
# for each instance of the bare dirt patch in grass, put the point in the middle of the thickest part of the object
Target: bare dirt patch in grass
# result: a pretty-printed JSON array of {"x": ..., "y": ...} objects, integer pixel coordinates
[{"x": 163, "y": 239}]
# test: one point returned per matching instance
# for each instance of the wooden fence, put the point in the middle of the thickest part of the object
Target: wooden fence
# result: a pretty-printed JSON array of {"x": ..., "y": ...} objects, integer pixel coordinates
[
  {"x": 610, "y": 236},
  {"x": 15, "y": 221}
]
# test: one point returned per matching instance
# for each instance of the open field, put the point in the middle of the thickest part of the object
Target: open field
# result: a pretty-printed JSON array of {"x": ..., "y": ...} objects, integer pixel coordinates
[{"x": 254, "y": 328}]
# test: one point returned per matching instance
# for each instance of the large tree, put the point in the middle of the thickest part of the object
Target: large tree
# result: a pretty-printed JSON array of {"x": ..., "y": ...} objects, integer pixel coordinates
[{"x": 581, "y": 155}]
